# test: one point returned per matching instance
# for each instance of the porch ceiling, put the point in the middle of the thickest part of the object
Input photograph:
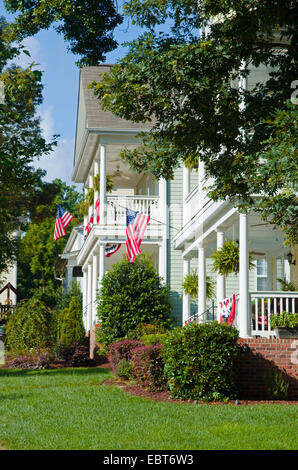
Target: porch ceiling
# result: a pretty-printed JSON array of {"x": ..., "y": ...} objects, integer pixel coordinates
[{"x": 263, "y": 238}]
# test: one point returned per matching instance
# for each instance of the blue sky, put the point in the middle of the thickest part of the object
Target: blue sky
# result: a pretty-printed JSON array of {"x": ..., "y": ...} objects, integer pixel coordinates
[{"x": 61, "y": 80}]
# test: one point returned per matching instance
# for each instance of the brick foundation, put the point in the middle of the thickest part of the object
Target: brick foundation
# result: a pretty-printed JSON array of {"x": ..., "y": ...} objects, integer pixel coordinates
[{"x": 260, "y": 357}]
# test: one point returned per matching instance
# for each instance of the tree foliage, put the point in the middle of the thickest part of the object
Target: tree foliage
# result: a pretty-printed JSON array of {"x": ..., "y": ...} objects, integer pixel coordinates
[
  {"x": 185, "y": 84},
  {"x": 87, "y": 25},
  {"x": 21, "y": 143},
  {"x": 38, "y": 251}
]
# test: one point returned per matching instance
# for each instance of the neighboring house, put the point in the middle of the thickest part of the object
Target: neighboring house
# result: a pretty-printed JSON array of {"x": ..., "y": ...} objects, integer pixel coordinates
[
  {"x": 206, "y": 224},
  {"x": 9, "y": 277},
  {"x": 184, "y": 229}
]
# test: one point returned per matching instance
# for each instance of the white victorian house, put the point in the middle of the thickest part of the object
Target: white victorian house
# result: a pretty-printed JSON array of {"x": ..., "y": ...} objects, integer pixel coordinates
[{"x": 99, "y": 139}]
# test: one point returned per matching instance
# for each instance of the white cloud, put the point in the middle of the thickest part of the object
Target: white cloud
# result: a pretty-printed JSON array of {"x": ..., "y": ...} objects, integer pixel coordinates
[
  {"x": 31, "y": 45},
  {"x": 59, "y": 163}
]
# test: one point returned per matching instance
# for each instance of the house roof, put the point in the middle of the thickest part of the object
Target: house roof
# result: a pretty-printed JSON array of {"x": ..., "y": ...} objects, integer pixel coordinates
[{"x": 96, "y": 118}]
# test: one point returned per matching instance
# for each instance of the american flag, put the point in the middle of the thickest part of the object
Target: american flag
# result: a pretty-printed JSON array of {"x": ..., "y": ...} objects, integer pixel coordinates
[
  {"x": 136, "y": 224},
  {"x": 62, "y": 220},
  {"x": 228, "y": 310},
  {"x": 89, "y": 225},
  {"x": 97, "y": 205}
]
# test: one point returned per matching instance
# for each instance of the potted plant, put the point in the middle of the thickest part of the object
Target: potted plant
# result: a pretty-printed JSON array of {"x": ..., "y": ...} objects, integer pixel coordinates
[{"x": 285, "y": 325}]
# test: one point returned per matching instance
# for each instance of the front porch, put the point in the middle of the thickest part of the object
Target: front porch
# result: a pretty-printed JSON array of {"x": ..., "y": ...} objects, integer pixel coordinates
[
  {"x": 262, "y": 305},
  {"x": 258, "y": 290}
]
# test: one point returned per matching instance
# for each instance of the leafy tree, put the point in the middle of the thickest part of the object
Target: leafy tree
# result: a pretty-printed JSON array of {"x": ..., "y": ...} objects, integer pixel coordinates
[
  {"x": 131, "y": 293},
  {"x": 32, "y": 326},
  {"x": 38, "y": 251},
  {"x": 70, "y": 321},
  {"x": 21, "y": 143},
  {"x": 87, "y": 25},
  {"x": 185, "y": 84}
]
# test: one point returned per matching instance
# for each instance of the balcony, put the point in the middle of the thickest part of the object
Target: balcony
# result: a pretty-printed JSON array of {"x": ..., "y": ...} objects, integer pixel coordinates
[{"x": 116, "y": 208}]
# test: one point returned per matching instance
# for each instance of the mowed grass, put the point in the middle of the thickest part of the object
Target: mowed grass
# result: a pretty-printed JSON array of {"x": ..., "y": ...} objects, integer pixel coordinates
[{"x": 71, "y": 409}]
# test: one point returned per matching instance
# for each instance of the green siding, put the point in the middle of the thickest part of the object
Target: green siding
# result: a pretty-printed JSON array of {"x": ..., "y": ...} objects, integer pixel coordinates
[{"x": 175, "y": 262}]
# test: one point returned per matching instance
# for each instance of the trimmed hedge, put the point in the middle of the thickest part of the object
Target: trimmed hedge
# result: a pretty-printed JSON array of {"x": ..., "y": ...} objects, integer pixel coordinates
[{"x": 198, "y": 361}]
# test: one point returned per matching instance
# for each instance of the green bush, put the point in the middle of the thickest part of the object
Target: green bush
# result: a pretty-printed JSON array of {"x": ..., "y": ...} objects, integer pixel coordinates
[
  {"x": 32, "y": 326},
  {"x": 131, "y": 293},
  {"x": 198, "y": 361},
  {"x": 154, "y": 338},
  {"x": 288, "y": 320},
  {"x": 71, "y": 327}
]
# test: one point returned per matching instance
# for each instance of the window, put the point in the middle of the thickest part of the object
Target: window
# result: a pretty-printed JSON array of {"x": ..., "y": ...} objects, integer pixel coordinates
[{"x": 262, "y": 274}]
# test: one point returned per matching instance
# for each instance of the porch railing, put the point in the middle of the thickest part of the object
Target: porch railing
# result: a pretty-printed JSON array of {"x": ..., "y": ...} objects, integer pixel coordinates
[
  {"x": 116, "y": 205},
  {"x": 264, "y": 304}
]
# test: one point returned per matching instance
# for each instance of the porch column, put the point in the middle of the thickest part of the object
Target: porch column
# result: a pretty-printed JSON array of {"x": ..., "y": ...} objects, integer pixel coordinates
[
  {"x": 101, "y": 264},
  {"x": 220, "y": 279},
  {"x": 162, "y": 255},
  {"x": 186, "y": 297},
  {"x": 186, "y": 189},
  {"x": 89, "y": 297},
  {"x": 95, "y": 267},
  {"x": 85, "y": 216},
  {"x": 244, "y": 313},
  {"x": 96, "y": 194},
  {"x": 202, "y": 283},
  {"x": 91, "y": 206},
  {"x": 85, "y": 281},
  {"x": 102, "y": 191}
]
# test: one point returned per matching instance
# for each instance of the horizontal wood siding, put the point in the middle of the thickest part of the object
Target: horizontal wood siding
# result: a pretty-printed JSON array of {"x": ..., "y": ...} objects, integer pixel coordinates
[{"x": 175, "y": 262}]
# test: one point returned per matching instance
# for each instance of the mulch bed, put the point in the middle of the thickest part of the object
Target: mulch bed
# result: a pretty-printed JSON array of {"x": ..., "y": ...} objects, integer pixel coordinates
[
  {"x": 137, "y": 390},
  {"x": 158, "y": 396}
]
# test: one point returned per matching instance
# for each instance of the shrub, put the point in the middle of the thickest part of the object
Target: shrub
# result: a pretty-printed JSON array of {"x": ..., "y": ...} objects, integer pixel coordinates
[
  {"x": 288, "y": 320},
  {"x": 74, "y": 353},
  {"x": 198, "y": 361},
  {"x": 32, "y": 326},
  {"x": 35, "y": 360},
  {"x": 121, "y": 351},
  {"x": 154, "y": 338},
  {"x": 131, "y": 293},
  {"x": 148, "y": 367},
  {"x": 71, "y": 327},
  {"x": 124, "y": 369}
]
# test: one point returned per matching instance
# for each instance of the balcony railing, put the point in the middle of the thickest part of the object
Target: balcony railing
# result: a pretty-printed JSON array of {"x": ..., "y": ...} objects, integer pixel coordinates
[
  {"x": 264, "y": 304},
  {"x": 116, "y": 207}
]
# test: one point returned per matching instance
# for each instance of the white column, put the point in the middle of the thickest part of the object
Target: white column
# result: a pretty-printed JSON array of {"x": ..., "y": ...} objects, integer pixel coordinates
[
  {"x": 91, "y": 206},
  {"x": 102, "y": 192},
  {"x": 202, "y": 283},
  {"x": 186, "y": 190},
  {"x": 163, "y": 209},
  {"x": 85, "y": 216},
  {"x": 220, "y": 280},
  {"x": 95, "y": 267},
  {"x": 101, "y": 264},
  {"x": 89, "y": 296},
  {"x": 244, "y": 314},
  {"x": 85, "y": 281},
  {"x": 96, "y": 194},
  {"x": 186, "y": 297}
]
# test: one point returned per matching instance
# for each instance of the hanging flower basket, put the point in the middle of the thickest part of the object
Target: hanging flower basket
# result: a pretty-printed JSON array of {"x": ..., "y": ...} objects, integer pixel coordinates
[
  {"x": 190, "y": 286},
  {"x": 226, "y": 259}
]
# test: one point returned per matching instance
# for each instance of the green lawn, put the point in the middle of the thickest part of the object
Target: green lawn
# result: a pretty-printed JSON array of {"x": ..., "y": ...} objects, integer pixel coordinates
[{"x": 71, "y": 409}]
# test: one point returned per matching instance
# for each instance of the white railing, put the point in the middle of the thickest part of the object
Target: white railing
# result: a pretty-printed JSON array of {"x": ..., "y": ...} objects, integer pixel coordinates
[
  {"x": 264, "y": 304},
  {"x": 116, "y": 207}
]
